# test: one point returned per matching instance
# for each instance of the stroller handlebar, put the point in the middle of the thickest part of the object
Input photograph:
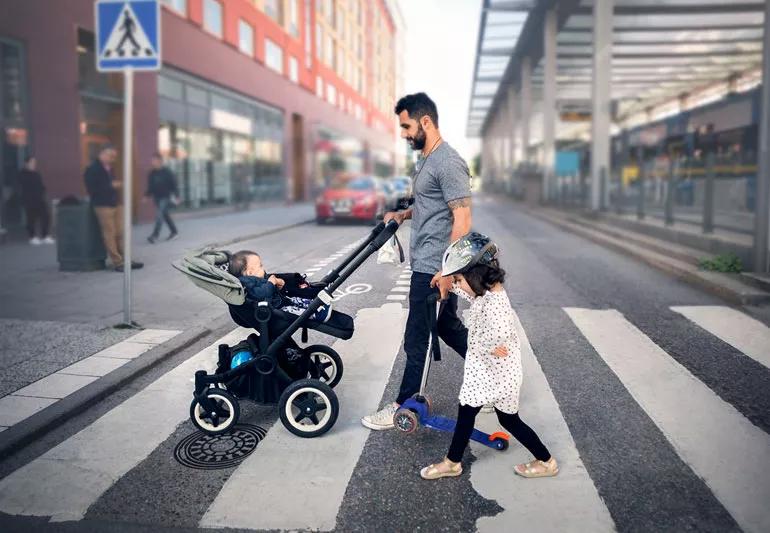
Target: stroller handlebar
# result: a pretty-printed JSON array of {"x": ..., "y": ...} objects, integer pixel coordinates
[{"x": 386, "y": 233}]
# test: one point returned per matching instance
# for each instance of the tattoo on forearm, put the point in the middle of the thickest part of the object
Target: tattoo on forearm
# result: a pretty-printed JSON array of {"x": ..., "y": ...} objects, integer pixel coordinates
[{"x": 460, "y": 202}]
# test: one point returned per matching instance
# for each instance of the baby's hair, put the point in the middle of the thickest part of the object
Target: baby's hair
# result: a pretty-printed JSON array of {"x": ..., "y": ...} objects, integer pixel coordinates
[
  {"x": 238, "y": 262},
  {"x": 481, "y": 278}
]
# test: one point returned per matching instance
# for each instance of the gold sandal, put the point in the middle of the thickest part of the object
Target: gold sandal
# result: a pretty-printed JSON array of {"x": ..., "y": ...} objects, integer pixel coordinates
[
  {"x": 537, "y": 468},
  {"x": 450, "y": 469}
]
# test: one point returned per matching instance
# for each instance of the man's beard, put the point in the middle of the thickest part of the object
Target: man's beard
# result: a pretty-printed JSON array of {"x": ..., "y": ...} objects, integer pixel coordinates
[{"x": 418, "y": 141}]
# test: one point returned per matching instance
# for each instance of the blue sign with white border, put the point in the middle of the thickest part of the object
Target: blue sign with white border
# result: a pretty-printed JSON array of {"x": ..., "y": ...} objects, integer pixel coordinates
[{"x": 127, "y": 35}]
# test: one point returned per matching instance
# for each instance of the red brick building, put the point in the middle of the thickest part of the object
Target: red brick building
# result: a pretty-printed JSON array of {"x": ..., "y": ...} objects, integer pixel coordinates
[{"x": 265, "y": 98}]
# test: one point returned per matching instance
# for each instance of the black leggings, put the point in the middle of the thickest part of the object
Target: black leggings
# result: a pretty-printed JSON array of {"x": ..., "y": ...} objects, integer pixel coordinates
[{"x": 466, "y": 418}]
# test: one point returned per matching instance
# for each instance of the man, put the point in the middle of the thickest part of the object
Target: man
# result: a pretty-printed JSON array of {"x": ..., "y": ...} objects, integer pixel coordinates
[
  {"x": 35, "y": 204},
  {"x": 441, "y": 214},
  {"x": 162, "y": 188},
  {"x": 103, "y": 188}
]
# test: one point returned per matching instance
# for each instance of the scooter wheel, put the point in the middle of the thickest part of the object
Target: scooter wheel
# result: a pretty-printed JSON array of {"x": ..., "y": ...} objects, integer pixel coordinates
[
  {"x": 425, "y": 399},
  {"x": 500, "y": 443},
  {"x": 406, "y": 421}
]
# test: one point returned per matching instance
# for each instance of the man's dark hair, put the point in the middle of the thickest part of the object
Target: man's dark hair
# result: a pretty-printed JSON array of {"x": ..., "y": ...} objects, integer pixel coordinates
[
  {"x": 237, "y": 263},
  {"x": 481, "y": 278},
  {"x": 106, "y": 146},
  {"x": 417, "y": 106},
  {"x": 29, "y": 158}
]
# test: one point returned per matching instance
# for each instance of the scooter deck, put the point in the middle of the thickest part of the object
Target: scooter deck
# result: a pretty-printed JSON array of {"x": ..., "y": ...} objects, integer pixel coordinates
[{"x": 448, "y": 425}]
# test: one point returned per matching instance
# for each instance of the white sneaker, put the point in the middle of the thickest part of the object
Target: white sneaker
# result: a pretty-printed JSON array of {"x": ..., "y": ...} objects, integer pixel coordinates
[
  {"x": 382, "y": 419},
  {"x": 488, "y": 408},
  {"x": 35, "y": 241},
  {"x": 49, "y": 240}
]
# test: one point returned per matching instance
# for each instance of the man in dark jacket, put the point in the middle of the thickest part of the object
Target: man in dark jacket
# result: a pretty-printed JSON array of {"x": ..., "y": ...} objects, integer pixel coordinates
[
  {"x": 102, "y": 187},
  {"x": 35, "y": 205},
  {"x": 162, "y": 188}
]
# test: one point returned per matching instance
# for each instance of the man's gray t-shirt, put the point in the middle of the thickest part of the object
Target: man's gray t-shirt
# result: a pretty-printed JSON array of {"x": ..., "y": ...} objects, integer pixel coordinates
[{"x": 443, "y": 178}]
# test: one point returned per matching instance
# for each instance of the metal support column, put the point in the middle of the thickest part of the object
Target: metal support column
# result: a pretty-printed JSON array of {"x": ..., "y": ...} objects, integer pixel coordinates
[
  {"x": 549, "y": 104},
  {"x": 525, "y": 107},
  {"x": 673, "y": 167},
  {"x": 708, "y": 191},
  {"x": 762, "y": 205},
  {"x": 640, "y": 181},
  {"x": 601, "y": 97}
]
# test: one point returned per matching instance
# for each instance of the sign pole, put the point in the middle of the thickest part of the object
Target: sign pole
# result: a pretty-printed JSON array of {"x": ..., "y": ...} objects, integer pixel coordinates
[{"x": 128, "y": 109}]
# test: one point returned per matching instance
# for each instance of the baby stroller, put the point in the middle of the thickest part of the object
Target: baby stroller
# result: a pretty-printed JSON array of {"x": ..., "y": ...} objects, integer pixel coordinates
[{"x": 276, "y": 369}]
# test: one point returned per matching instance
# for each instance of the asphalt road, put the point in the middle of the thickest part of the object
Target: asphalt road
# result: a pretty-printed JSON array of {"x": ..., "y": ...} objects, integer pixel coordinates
[{"x": 659, "y": 423}]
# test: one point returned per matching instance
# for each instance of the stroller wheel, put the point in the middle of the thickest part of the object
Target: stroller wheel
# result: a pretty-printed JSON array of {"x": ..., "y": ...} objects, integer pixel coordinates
[
  {"x": 308, "y": 408},
  {"x": 325, "y": 364},
  {"x": 226, "y": 411},
  {"x": 406, "y": 421}
]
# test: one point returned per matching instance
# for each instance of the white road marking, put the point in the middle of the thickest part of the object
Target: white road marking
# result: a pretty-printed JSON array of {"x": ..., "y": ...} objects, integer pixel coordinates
[
  {"x": 65, "y": 481},
  {"x": 721, "y": 446},
  {"x": 399, "y": 289},
  {"x": 295, "y": 483},
  {"x": 737, "y": 329},
  {"x": 405, "y": 282},
  {"x": 396, "y": 297},
  {"x": 580, "y": 508}
]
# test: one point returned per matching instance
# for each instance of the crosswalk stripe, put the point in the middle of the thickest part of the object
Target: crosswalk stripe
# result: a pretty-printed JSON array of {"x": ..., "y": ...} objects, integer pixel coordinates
[
  {"x": 65, "y": 481},
  {"x": 492, "y": 473},
  {"x": 726, "y": 450},
  {"x": 296, "y": 483},
  {"x": 737, "y": 329}
]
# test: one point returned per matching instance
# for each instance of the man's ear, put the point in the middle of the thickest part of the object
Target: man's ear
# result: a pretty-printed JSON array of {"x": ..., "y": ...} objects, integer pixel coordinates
[{"x": 426, "y": 122}]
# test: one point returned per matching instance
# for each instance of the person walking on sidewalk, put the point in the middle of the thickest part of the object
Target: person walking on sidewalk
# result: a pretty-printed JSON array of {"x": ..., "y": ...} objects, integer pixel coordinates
[
  {"x": 493, "y": 372},
  {"x": 162, "y": 188},
  {"x": 441, "y": 214},
  {"x": 102, "y": 187},
  {"x": 35, "y": 203}
]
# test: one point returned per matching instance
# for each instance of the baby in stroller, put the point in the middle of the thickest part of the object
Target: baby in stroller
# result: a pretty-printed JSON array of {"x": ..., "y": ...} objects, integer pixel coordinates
[{"x": 293, "y": 298}]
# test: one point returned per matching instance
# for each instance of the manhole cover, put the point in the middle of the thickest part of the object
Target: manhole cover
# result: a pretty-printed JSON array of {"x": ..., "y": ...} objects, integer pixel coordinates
[{"x": 209, "y": 452}]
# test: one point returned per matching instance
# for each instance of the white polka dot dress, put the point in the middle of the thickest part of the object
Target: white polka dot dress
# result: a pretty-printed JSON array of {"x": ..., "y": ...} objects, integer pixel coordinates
[{"x": 489, "y": 379}]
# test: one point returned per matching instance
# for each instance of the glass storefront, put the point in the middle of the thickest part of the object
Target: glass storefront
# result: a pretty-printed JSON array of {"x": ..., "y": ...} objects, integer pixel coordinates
[
  {"x": 13, "y": 129},
  {"x": 224, "y": 148}
]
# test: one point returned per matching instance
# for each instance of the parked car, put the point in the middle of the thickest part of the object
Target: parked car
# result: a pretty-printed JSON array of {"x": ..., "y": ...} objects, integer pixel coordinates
[
  {"x": 391, "y": 193},
  {"x": 360, "y": 198}
]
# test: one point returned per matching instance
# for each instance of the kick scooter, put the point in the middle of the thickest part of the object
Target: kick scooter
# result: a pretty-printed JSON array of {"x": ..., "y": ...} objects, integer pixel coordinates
[{"x": 416, "y": 410}]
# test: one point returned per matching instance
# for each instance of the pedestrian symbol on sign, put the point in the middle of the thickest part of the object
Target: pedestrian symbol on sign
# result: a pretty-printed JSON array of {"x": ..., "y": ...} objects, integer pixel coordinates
[{"x": 127, "y": 31}]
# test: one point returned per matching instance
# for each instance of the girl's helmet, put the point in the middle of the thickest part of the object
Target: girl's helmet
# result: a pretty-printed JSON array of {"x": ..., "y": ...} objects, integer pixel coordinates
[{"x": 468, "y": 251}]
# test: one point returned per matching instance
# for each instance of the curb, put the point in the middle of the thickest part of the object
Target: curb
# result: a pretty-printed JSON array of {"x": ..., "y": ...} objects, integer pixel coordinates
[
  {"x": 728, "y": 289},
  {"x": 55, "y": 415}
]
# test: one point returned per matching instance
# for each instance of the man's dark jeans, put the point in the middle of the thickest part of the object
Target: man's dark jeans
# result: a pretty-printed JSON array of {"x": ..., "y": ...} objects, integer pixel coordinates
[
  {"x": 450, "y": 330},
  {"x": 162, "y": 208}
]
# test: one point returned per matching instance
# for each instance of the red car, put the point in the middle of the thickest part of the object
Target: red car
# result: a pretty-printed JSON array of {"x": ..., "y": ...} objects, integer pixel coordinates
[{"x": 356, "y": 199}]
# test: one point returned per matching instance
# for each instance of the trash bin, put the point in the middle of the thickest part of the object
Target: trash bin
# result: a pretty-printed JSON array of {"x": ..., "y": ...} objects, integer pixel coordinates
[{"x": 79, "y": 243}]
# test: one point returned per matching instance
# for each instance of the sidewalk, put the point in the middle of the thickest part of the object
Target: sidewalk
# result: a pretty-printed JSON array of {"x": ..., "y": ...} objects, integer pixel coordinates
[
  {"x": 670, "y": 250},
  {"x": 50, "y": 320}
]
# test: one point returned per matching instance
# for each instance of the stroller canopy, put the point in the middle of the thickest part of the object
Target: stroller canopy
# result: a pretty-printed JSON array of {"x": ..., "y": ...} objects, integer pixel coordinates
[{"x": 208, "y": 270}]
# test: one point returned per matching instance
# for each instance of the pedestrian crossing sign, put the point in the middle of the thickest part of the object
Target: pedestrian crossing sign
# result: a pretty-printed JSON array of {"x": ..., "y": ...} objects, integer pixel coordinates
[{"x": 127, "y": 35}]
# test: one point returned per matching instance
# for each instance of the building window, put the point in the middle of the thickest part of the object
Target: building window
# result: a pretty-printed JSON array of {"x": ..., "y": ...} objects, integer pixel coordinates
[
  {"x": 331, "y": 94},
  {"x": 340, "y": 62},
  {"x": 274, "y": 10},
  {"x": 319, "y": 87},
  {"x": 319, "y": 40},
  {"x": 246, "y": 38},
  {"x": 180, "y": 6},
  {"x": 293, "y": 69},
  {"x": 329, "y": 51},
  {"x": 273, "y": 56},
  {"x": 308, "y": 38},
  {"x": 212, "y": 17},
  {"x": 293, "y": 19}
]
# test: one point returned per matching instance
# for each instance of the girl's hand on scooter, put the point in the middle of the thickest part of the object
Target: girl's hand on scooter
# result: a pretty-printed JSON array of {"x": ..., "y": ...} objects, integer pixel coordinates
[{"x": 500, "y": 351}]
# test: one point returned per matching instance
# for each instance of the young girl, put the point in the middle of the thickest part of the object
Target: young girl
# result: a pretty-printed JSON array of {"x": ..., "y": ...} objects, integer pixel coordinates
[{"x": 493, "y": 361}]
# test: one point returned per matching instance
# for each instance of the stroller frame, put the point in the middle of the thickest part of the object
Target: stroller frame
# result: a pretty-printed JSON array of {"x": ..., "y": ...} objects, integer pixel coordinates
[{"x": 220, "y": 403}]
